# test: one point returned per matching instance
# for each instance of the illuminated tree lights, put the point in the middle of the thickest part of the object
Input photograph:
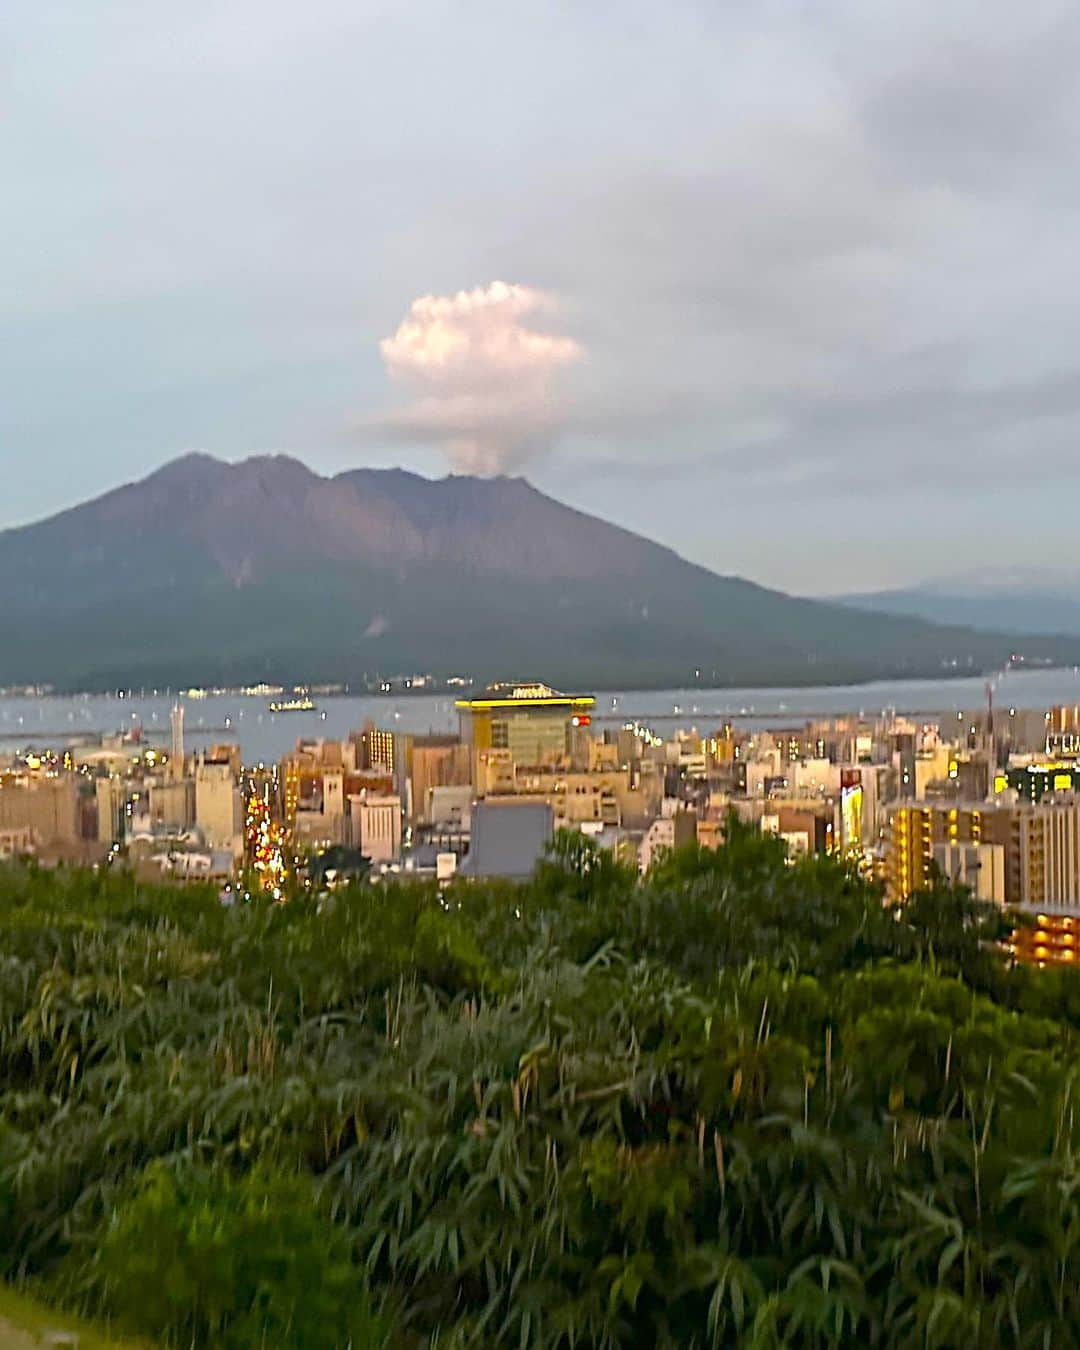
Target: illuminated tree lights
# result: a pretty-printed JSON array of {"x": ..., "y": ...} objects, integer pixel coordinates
[{"x": 264, "y": 840}]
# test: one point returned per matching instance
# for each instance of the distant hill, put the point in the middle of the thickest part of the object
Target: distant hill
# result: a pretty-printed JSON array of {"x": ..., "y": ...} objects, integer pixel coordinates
[
  {"x": 1024, "y": 604},
  {"x": 208, "y": 571}
]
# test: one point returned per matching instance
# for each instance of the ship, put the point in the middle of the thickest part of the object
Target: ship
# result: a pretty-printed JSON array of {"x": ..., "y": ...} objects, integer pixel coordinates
[{"x": 291, "y": 705}]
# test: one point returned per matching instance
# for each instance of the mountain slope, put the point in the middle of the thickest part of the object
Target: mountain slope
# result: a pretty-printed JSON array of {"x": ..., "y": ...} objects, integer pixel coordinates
[
  {"x": 207, "y": 571},
  {"x": 1023, "y": 609}
]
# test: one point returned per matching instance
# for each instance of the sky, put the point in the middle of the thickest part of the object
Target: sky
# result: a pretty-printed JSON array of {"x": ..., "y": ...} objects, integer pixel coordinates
[{"x": 790, "y": 287}]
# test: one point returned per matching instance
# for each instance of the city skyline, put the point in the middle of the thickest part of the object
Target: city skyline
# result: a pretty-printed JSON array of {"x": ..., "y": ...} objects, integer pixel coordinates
[
  {"x": 988, "y": 796},
  {"x": 807, "y": 263}
]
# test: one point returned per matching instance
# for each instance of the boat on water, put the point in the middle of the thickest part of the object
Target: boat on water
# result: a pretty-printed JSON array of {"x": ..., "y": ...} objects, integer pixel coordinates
[{"x": 291, "y": 705}]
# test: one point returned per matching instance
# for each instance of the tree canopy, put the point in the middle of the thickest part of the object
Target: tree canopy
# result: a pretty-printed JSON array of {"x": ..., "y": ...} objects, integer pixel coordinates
[{"x": 741, "y": 1102}]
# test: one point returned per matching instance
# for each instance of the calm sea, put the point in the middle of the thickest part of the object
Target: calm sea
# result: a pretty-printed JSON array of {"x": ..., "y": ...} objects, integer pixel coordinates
[{"x": 53, "y": 722}]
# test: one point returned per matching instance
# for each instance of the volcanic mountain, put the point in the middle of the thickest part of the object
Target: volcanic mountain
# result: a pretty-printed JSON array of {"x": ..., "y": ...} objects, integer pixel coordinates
[{"x": 213, "y": 572}]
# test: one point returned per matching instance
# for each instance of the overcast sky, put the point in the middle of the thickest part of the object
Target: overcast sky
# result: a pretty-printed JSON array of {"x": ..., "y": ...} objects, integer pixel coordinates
[{"x": 790, "y": 287}]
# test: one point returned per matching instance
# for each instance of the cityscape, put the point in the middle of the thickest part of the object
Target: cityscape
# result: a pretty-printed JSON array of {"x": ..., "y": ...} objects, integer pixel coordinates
[{"x": 988, "y": 798}]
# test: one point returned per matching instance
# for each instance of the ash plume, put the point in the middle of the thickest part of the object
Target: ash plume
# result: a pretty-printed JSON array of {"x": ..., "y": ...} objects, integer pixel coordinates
[{"x": 483, "y": 382}]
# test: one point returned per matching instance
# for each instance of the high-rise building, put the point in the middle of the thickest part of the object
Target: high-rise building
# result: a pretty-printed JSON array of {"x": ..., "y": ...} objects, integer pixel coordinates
[
  {"x": 1047, "y": 848},
  {"x": 434, "y": 762},
  {"x": 914, "y": 829},
  {"x": 979, "y": 867},
  {"x": 1063, "y": 730},
  {"x": 903, "y": 758},
  {"x": 172, "y": 803},
  {"x": 47, "y": 806},
  {"x": 111, "y": 809},
  {"x": 290, "y": 774},
  {"x": 219, "y": 808},
  {"x": 532, "y": 721},
  {"x": 376, "y": 748},
  {"x": 376, "y": 826},
  {"x": 318, "y": 777},
  {"x": 1046, "y": 873},
  {"x": 176, "y": 752},
  {"x": 1040, "y": 846}
]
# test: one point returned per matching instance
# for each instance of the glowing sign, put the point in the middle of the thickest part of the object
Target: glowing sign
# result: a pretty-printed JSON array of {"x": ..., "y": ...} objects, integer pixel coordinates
[{"x": 851, "y": 816}]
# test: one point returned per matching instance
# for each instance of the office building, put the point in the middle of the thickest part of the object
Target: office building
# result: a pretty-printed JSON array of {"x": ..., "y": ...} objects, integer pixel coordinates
[
  {"x": 172, "y": 802},
  {"x": 376, "y": 826},
  {"x": 1040, "y": 847},
  {"x": 219, "y": 808},
  {"x": 1047, "y": 856},
  {"x": 532, "y": 722},
  {"x": 375, "y": 749},
  {"x": 435, "y": 762},
  {"x": 914, "y": 829},
  {"x": 317, "y": 780},
  {"x": 46, "y": 806}
]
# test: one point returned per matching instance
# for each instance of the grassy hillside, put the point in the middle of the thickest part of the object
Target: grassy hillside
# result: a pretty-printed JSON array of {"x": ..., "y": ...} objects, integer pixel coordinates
[{"x": 739, "y": 1103}]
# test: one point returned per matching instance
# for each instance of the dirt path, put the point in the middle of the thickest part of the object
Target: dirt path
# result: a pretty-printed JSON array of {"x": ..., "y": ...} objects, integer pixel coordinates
[{"x": 13, "y": 1338}]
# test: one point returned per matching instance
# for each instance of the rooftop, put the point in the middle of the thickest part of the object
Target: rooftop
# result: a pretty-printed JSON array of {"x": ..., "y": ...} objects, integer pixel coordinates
[
  {"x": 534, "y": 695},
  {"x": 508, "y": 840}
]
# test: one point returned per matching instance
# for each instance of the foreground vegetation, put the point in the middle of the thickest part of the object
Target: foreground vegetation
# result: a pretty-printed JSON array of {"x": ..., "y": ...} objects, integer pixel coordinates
[
  {"x": 26, "y": 1324},
  {"x": 742, "y": 1103}
]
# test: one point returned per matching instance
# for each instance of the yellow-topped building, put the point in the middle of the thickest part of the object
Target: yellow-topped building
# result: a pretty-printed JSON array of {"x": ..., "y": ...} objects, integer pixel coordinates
[{"x": 534, "y": 722}]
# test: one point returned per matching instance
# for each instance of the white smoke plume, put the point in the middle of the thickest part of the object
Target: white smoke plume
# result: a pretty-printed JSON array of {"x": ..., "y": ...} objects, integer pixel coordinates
[{"x": 484, "y": 384}]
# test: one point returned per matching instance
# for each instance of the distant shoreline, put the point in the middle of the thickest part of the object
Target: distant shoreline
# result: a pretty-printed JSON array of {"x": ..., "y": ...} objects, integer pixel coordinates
[
  {"x": 401, "y": 690},
  {"x": 55, "y": 720}
]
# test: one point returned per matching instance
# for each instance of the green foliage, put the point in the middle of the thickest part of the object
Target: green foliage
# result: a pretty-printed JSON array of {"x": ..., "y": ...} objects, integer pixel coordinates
[
  {"x": 207, "y": 1259},
  {"x": 740, "y": 1102}
]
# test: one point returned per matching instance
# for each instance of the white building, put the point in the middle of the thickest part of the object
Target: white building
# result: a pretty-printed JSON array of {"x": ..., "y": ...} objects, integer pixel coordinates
[
  {"x": 1049, "y": 854},
  {"x": 814, "y": 778},
  {"x": 219, "y": 807},
  {"x": 665, "y": 833},
  {"x": 450, "y": 807},
  {"x": 376, "y": 826},
  {"x": 980, "y": 867}
]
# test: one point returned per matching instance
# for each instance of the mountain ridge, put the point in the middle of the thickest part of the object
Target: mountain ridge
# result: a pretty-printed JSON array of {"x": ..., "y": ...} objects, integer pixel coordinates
[
  {"x": 1025, "y": 608},
  {"x": 215, "y": 571}
]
